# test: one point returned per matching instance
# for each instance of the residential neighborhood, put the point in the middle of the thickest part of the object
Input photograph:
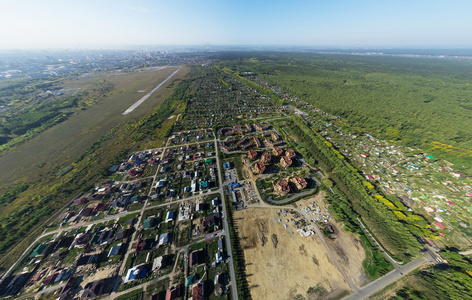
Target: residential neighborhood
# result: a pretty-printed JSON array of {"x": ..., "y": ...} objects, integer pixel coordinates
[
  {"x": 141, "y": 227},
  {"x": 159, "y": 224}
]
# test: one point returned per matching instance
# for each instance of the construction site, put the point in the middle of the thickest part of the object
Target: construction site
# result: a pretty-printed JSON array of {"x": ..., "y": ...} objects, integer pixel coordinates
[{"x": 274, "y": 241}]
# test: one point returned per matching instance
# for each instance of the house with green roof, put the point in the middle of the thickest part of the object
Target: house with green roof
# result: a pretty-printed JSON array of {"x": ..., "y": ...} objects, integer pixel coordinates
[
  {"x": 203, "y": 185},
  {"x": 149, "y": 223},
  {"x": 38, "y": 250},
  {"x": 190, "y": 280}
]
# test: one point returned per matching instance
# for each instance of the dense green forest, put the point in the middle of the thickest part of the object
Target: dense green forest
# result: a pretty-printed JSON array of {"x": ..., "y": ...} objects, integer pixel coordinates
[{"x": 421, "y": 102}]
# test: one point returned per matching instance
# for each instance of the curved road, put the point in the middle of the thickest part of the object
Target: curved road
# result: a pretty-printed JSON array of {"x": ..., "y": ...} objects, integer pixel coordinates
[
  {"x": 285, "y": 201},
  {"x": 376, "y": 285},
  {"x": 145, "y": 207}
]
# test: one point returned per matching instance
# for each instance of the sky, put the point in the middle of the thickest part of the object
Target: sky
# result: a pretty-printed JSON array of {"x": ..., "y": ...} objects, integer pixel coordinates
[{"x": 33, "y": 24}]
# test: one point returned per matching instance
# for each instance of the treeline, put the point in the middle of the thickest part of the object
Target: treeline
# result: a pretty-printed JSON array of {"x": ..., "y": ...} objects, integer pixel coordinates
[
  {"x": 13, "y": 89},
  {"x": 34, "y": 117},
  {"x": 387, "y": 217},
  {"x": 416, "y": 101},
  {"x": 238, "y": 255},
  {"x": 375, "y": 264},
  {"x": 446, "y": 281},
  {"x": 51, "y": 192},
  {"x": 6, "y": 142},
  {"x": 16, "y": 226},
  {"x": 226, "y": 84}
]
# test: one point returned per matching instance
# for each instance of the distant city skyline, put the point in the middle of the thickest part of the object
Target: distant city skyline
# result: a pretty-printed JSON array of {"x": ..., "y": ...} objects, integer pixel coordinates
[{"x": 339, "y": 23}]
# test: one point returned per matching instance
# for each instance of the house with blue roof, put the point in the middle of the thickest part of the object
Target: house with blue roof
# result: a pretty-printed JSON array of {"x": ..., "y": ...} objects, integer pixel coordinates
[{"x": 135, "y": 273}]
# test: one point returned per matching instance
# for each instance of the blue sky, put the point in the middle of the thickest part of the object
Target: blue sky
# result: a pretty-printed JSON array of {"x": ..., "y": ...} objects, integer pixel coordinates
[{"x": 328, "y": 23}]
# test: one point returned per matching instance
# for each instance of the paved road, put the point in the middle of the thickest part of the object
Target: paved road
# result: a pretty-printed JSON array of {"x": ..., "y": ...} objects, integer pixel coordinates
[
  {"x": 359, "y": 293},
  {"x": 317, "y": 230},
  {"x": 54, "y": 232},
  {"x": 382, "y": 282},
  {"x": 106, "y": 219},
  {"x": 284, "y": 201},
  {"x": 313, "y": 226},
  {"x": 264, "y": 205},
  {"x": 133, "y": 238},
  {"x": 145, "y": 285},
  {"x": 362, "y": 292},
  {"x": 232, "y": 274},
  {"x": 146, "y": 207}
]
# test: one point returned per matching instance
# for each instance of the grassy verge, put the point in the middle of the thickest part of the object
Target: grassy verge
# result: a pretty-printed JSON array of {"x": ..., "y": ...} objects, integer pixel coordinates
[
  {"x": 134, "y": 295},
  {"x": 375, "y": 264}
]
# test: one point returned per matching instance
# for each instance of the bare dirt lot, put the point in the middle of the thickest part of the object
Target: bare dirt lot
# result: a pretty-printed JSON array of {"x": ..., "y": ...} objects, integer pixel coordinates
[
  {"x": 282, "y": 265},
  {"x": 347, "y": 247}
]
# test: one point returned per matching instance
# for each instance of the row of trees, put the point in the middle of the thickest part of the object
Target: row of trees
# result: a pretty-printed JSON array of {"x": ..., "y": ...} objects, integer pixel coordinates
[
  {"x": 252, "y": 84},
  {"x": 388, "y": 218},
  {"x": 447, "y": 281},
  {"x": 51, "y": 192},
  {"x": 14, "y": 89},
  {"x": 375, "y": 264},
  {"x": 238, "y": 255}
]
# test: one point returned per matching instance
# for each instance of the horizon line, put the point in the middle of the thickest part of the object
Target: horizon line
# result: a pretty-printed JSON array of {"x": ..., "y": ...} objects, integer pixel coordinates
[{"x": 203, "y": 46}]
